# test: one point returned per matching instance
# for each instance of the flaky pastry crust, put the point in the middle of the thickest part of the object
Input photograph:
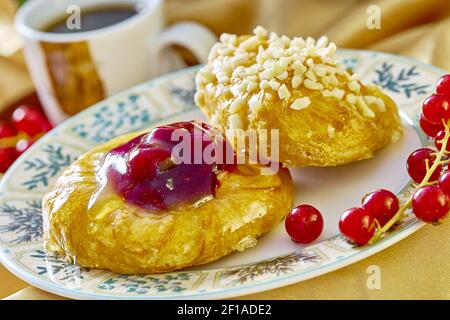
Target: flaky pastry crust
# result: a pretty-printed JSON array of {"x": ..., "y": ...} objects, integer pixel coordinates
[{"x": 111, "y": 234}]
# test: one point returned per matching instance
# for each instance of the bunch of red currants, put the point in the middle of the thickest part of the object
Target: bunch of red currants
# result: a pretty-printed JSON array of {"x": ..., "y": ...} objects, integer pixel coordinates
[
  {"x": 27, "y": 125},
  {"x": 380, "y": 210},
  {"x": 431, "y": 200}
]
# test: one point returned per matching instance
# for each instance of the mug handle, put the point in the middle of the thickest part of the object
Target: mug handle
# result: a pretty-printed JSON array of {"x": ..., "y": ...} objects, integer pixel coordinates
[{"x": 190, "y": 35}]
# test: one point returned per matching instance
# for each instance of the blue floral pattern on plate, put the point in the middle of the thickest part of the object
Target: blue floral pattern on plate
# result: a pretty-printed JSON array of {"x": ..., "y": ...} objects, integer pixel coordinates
[
  {"x": 141, "y": 285},
  {"x": 24, "y": 222},
  {"x": 135, "y": 110},
  {"x": 43, "y": 169},
  {"x": 109, "y": 120},
  {"x": 405, "y": 81}
]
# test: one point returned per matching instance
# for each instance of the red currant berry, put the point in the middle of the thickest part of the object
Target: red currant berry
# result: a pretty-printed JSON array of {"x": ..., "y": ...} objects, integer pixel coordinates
[
  {"x": 30, "y": 121},
  {"x": 436, "y": 107},
  {"x": 443, "y": 85},
  {"x": 22, "y": 145},
  {"x": 416, "y": 165},
  {"x": 430, "y": 203},
  {"x": 357, "y": 225},
  {"x": 438, "y": 138},
  {"x": 444, "y": 182},
  {"x": 381, "y": 204},
  {"x": 304, "y": 224},
  {"x": 7, "y": 130},
  {"x": 7, "y": 155},
  {"x": 7, "y": 158},
  {"x": 430, "y": 129}
]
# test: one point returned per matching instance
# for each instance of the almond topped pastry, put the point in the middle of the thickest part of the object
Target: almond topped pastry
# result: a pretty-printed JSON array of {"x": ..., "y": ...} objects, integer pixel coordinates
[
  {"x": 325, "y": 115},
  {"x": 130, "y": 207}
]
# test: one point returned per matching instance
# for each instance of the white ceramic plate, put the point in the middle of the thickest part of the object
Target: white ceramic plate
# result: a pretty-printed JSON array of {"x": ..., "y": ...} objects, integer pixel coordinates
[{"x": 275, "y": 261}]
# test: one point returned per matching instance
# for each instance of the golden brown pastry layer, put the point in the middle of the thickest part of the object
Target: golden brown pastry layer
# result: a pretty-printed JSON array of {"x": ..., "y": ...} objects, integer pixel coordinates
[
  {"x": 325, "y": 115},
  {"x": 111, "y": 234}
]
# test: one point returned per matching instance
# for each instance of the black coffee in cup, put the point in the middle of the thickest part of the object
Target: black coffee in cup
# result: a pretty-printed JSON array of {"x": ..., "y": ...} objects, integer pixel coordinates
[{"x": 91, "y": 19}]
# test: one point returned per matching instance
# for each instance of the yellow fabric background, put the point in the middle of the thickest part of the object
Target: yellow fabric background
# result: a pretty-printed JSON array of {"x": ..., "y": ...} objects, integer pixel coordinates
[{"x": 417, "y": 267}]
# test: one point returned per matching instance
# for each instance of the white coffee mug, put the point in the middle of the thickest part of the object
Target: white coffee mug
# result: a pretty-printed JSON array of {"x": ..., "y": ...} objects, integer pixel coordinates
[{"x": 72, "y": 71}]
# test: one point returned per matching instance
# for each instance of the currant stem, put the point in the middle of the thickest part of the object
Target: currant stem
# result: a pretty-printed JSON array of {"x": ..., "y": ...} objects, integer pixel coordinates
[
  {"x": 10, "y": 142},
  {"x": 430, "y": 170}
]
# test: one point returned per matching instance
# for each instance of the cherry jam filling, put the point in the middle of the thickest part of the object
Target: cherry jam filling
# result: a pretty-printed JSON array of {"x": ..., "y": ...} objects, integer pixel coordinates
[{"x": 147, "y": 171}]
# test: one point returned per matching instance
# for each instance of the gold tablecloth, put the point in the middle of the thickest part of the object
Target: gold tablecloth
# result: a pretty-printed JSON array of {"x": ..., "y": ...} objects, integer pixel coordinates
[{"x": 417, "y": 267}]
